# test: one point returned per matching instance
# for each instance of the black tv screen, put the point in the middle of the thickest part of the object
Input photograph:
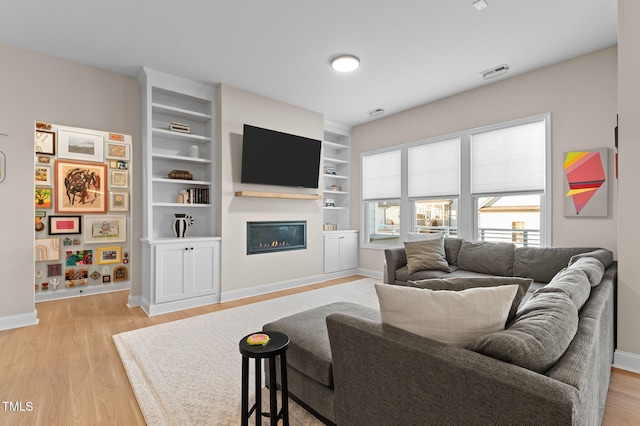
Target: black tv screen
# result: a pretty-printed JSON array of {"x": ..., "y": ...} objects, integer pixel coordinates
[{"x": 275, "y": 158}]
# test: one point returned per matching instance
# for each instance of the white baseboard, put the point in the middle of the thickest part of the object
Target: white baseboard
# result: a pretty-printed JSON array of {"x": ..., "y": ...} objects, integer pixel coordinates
[
  {"x": 80, "y": 291},
  {"x": 178, "y": 305},
  {"x": 134, "y": 301},
  {"x": 20, "y": 320},
  {"x": 370, "y": 273},
  {"x": 626, "y": 361}
]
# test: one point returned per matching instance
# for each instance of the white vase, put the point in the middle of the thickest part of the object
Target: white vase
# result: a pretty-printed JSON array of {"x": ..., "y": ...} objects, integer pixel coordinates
[{"x": 194, "y": 151}]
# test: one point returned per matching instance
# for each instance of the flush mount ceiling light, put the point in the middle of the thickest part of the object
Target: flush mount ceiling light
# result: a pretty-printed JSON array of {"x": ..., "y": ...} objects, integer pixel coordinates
[
  {"x": 480, "y": 4},
  {"x": 345, "y": 63}
]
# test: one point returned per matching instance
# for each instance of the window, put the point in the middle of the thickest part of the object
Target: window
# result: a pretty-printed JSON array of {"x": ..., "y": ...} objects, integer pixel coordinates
[
  {"x": 381, "y": 189},
  {"x": 487, "y": 184}
]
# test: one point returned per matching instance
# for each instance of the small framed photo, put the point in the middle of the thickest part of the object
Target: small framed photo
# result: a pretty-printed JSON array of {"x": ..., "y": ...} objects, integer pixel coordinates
[
  {"x": 53, "y": 270},
  {"x": 80, "y": 187},
  {"x": 107, "y": 255},
  {"x": 106, "y": 278},
  {"x": 45, "y": 142},
  {"x": 80, "y": 145},
  {"x": 43, "y": 198},
  {"x": 120, "y": 273},
  {"x": 43, "y": 175},
  {"x": 119, "y": 178},
  {"x": 105, "y": 229},
  {"x": 118, "y": 151},
  {"x": 65, "y": 225},
  {"x": 119, "y": 201}
]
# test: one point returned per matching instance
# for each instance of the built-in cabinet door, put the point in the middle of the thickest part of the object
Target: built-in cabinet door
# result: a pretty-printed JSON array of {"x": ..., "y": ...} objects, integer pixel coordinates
[
  {"x": 203, "y": 268},
  {"x": 171, "y": 269},
  {"x": 331, "y": 253},
  {"x": 349, "y": 251}
]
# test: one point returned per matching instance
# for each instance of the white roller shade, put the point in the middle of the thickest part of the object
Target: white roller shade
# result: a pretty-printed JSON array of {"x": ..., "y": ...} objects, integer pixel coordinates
[
  {"x": 381, "y": 176},
  {"x": 434, "y": 169},
  {"x": 508, "y": 160}
]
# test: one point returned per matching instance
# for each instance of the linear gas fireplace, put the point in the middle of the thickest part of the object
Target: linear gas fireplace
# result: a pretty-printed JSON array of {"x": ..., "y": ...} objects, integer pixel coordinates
[{"x": 265, "y": 237}]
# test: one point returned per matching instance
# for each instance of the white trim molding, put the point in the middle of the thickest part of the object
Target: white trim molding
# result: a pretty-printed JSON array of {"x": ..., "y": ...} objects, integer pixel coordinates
[
  {"x": 20, "y": 320},
  {"x": 626, "y": 361}
]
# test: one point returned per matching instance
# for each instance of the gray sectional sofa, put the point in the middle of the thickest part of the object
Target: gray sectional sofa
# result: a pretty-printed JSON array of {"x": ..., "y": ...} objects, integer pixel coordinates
[{"x": 549, "y": 366}]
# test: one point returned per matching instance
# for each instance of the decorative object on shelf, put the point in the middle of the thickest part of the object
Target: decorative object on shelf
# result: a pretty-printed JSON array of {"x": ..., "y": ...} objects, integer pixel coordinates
[
  {"x": 106, "y": 278},
  {"x": 43, "y": 198},
  {"x": 76, "y": 277},
  {"x": 65, "y": 225},
  {"x": 47, "y": 249},
  {"x": 95, "y": 275},
  {"x": 54, "y": 270},
  {"x": 54, "y": 283},
  {"x": 179, "y": 127},
  {"x": 119, "y": 201},
  {"x": 43, "y": 175},
  {"x": 39, "y": 224},
  {"x": 99, "y": 229},
  {"x": 120, "y": 273},
  {"x": 329, "y": 226},
  {"x": 80, "y": 187},
  {"x": 194, "y": 151},
  {"x": 334, "y": 187},
  {"x": 80, "y": 145},
  {"x": 120, "y": 178},
  {"x": 180, "y": 174},
  {"x": 181, "y": 223},
  {"x": 45, "y": 142},
  {"x": 585, "y": 184},
  {"x": 107, "y": 255},
  {"x": 329, "y": 170},
  {"x": 329, "y": 202},
  {"x": 118, "y": 151}
]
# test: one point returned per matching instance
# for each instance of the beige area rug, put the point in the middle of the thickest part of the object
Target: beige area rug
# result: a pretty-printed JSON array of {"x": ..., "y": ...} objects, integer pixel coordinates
[{"x": 188, "y": 372}]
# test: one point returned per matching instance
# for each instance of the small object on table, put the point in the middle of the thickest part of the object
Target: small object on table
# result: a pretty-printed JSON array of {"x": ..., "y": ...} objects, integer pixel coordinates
[{"x": 258, "y": 339}]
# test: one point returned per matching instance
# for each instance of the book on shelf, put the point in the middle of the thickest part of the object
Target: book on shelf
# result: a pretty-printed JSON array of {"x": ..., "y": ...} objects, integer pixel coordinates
[
  {"x": 197, "y": 196},
  {"x": 179, "y": 127}
]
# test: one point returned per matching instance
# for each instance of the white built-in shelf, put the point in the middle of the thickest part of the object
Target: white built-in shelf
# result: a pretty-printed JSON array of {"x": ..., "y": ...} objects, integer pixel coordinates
[
  {"x": 334, "y": 145},
  {"x": 179, "y": 136},
  {"x": 174, "y": 111},
  {"x": 335, "y": 160},
  {"x": 181, "y": 158},
  {"x": 182, "y": 181},
  {"x": 278, "y": 195},
  {"x": 334, "y": 208},
  {"x": 179, "y": 205},
  {"x": 326, "y": 175},
  {"x": 331, "y": 191}
]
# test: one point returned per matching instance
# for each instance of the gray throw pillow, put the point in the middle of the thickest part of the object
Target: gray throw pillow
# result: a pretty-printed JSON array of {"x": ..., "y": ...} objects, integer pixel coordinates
[
  {"x": 590, "y": 266},
  {"x": 603, "y": 255},
  {"x": 540, "y": 334},
  {"x": 572, "y": 282},
  {"x": 463, "y": 283},
  {"x": 487, "y": 257},
  {"x": 426, "y": 255}
]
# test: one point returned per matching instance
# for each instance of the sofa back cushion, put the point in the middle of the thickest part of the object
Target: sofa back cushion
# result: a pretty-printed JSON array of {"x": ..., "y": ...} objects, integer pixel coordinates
[
  {"x": 453, "y": 317},
  {"x": 540, "y": 334},
  {"x": 463, "y": 283},
  {"x": 590, "y": 266},
  {"x": 452, "y": 249},
  {"x": 487, "y": 257},
  {"x": 543, "y": 263},
  {"x": 426, "y": 255},
  {"x": 572, "y": 282}
]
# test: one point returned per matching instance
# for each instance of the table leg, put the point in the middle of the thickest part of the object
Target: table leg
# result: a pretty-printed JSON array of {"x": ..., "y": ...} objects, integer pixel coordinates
[
  {"x": 245, "y": 391},
  {"x": 285, "y": 389},
  {"x": 258, "y": 392},
  {"x": 273, "y": 392}
]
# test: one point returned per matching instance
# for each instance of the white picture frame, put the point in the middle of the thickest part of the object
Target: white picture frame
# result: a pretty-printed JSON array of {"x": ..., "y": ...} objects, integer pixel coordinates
[
  {"x": 43, "y": 175},
  {"x": 104, "y": 229},
  {"x": 80, "y": 145},
  {"x": 119, "y": 178},
  {"x": 118, "y": 201}
]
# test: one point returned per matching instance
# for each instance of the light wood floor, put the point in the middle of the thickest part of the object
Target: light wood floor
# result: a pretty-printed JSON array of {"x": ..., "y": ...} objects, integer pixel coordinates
[{"x": 66, "y": 370}]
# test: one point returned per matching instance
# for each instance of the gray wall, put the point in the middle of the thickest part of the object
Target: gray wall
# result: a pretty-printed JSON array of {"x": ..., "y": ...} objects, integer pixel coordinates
[{"x": 38, "y": 87}]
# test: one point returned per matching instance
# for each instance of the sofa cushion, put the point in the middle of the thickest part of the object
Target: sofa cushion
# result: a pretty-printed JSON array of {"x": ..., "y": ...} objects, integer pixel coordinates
[
  {"x": 590, "y": 266},
  {"x": 461, "y": 283},
  {"x": 537, "y": 338},
  {"x": 542, "y": 263},
  {"x": 603, "y": 255},
  {"x": 419, "y": 236},
  {"x": 572, "y": 282},
  {"x": 487, "y": 257},
  {"x": 402, "y": 274},
  {"x": 452, "y": 249},
  {"x": 452, "y": 317},
  {"x": 309, "y": 350},
  {"x": 426, "y": 255}
]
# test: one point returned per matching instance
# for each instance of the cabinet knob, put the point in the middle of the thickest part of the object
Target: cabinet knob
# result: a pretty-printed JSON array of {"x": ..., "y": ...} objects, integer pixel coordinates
[
  {"x": 191, "y": 248},
  {"x": 186, "y": 248}
]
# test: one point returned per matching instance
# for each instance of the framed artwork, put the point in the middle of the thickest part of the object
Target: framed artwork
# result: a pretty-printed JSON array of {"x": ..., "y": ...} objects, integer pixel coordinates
[
  {"x": 76, "y": 277},
  {"x": 54, "y": 270},
  {"x": 119, "y": 178},
  {"x": 45, "y": 142},
  {"x": 65, "y": 225},
  {"x": 119, "y": 201},
  {"x": 80, "y": 257},
  {"x": 120, "y": 273},
  {"x": 80, "y": 187},
  {"x": 44, "y": 159},
  {"x": 43, "y": 198},
  {"x": 585, "y": 183},
  {"x": 108, "y": 255},
  {"x": 105, "y": 229},
  {"x": 80, "y": 145},
  {"x": 118, "y": 164},
  {"x": 116, "y": 137},
  {"x": 106, "y": 278},
  {"x": 119, "y": 151},
  {"x": 47, "y": 249},
  {"x": 43, "y": 175}
]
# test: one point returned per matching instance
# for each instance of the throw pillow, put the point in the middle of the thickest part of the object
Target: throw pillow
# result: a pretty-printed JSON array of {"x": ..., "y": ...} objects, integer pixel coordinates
[
  {"x": 572, "y": 282},
  {"x": 453, "y": 317},
  {"x": 590, "y": 266},
  {"x": 463, "y": 283},
  {"x": 425, "y": 255},
  {"x": 603, "y": 255},
  {"x": 539, "y": 336},
  {"x": 487, "y": 257},
  {"x": 418, "y": 236}
]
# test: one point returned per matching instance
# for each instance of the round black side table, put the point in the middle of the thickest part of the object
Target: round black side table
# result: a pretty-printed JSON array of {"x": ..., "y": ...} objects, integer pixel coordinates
[{"x": 277, "y": 345}]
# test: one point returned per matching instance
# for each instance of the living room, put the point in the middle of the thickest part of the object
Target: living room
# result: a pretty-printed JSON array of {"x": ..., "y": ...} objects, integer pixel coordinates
[{"x": 584, "y": 95}]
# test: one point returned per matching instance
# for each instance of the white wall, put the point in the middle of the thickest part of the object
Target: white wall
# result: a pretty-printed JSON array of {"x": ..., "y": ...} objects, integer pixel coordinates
[
  {"x": 629, "y": 201},
  {"x": 580, "y": 94},
  {"x": 39, "y": 87},
  {"x": 239, "y": 271}
]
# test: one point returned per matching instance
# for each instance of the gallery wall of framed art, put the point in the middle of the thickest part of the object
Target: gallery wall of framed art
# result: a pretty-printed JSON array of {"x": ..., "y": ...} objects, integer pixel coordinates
[{"x": 82, "y": 211}]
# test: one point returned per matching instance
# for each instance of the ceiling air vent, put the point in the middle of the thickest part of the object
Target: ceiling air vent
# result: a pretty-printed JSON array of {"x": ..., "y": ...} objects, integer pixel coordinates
[
  {"x": 495, "y": 72},
  {"x": 376, "y": 112}
]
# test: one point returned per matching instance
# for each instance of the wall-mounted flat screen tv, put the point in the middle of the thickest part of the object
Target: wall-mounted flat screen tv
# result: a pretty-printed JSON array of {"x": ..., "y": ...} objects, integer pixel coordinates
[{"x": 275, "y": 158}]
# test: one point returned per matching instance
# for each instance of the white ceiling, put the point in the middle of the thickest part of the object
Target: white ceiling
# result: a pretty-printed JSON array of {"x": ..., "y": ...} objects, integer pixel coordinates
[{"x": 412, "y": 51}]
